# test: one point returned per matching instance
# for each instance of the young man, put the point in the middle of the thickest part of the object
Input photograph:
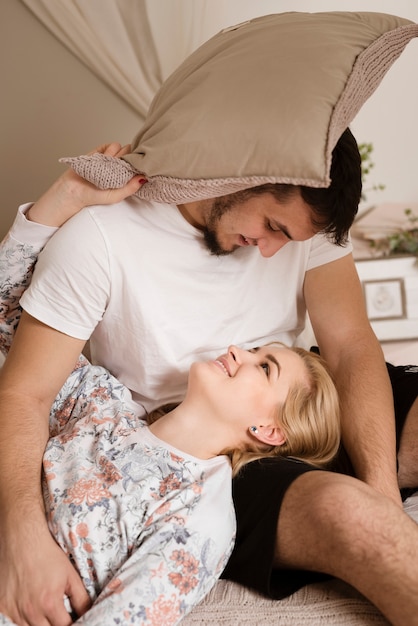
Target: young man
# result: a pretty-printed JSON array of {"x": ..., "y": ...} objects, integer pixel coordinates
[
  {"x": 143, "y": 507},
  {"x": 140, "y": 279}
]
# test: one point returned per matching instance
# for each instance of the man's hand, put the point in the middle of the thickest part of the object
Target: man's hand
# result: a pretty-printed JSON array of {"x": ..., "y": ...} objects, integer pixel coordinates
[
  {"x": 34, "y": 578},
  {"x": 35, "y": 574},
  {"x": 71, "y": 193}
]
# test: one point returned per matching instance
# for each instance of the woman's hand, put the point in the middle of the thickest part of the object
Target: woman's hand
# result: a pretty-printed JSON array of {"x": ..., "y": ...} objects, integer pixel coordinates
[{"x": 71, "y": 193}]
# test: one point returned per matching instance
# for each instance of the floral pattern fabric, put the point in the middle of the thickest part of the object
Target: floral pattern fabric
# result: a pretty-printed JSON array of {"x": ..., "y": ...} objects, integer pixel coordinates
[{"x": 148, "y": 528}]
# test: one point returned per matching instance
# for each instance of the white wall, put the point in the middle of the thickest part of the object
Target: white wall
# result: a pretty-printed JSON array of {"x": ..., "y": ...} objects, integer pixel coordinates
[{"x": 53, "y": 106}]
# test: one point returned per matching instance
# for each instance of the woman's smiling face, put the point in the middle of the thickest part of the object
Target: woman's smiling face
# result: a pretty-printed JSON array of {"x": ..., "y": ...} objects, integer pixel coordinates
[{"x": 249, "y": 383}]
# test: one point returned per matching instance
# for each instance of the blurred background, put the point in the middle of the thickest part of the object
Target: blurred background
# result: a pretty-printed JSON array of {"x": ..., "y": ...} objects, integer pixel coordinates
[{"x": 70, "y": 80}]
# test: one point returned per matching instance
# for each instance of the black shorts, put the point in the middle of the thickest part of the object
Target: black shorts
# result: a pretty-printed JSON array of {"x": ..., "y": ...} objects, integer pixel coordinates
[{"x": 258, "y": 493}]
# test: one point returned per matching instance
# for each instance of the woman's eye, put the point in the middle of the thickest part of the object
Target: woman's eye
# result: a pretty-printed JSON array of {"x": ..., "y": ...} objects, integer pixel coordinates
[{"x": 266, "y": 368}]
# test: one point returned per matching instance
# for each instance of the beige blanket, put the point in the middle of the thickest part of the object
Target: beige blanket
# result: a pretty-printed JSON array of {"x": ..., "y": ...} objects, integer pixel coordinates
[{"x": 332, "y": 603}]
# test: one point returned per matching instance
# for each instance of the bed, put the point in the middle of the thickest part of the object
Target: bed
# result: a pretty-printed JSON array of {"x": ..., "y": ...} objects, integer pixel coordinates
[{"x": 332, "y": 603}]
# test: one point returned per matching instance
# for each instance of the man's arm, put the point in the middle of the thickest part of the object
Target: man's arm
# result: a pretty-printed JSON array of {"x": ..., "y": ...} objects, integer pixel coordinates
[
  {"x": 336, "y": 308},
  {"x": 34, "y": 572},
  {"x": 38, "y": 364},
  {"x": 18, "y": 252}
]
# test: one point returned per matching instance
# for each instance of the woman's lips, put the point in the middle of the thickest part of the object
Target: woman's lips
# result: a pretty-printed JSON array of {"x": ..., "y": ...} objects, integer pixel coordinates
[{"x": 222, "y": 363}]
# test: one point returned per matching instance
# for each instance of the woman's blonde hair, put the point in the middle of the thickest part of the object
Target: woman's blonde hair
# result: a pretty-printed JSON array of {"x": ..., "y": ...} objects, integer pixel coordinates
[{"x": 309, "y": 418}]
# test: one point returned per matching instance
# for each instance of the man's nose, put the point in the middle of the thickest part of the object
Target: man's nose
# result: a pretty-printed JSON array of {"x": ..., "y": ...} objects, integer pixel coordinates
[{"x": 268, "y": 246}]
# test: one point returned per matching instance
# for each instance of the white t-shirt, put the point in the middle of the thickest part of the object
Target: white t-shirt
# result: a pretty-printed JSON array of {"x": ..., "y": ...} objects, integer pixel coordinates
[
  {"x": 162, "y": 300},
  {"x": 145, "y": 524}
]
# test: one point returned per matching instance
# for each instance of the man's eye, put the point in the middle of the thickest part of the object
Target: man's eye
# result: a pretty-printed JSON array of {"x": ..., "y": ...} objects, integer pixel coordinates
[
  {"x": 266, "y": 368},
  {"x": 273, "y": 228}
]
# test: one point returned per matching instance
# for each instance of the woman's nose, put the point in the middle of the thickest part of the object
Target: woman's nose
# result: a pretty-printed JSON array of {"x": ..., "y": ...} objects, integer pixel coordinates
[{"x": 239, "y": 355}]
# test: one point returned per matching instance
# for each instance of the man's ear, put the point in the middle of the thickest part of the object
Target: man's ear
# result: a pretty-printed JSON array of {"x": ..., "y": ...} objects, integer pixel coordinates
[{"x": 270, "y": 435}]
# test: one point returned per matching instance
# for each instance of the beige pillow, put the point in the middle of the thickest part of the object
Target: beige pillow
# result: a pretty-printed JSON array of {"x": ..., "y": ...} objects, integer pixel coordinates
[{"x": 263, "y": 101}]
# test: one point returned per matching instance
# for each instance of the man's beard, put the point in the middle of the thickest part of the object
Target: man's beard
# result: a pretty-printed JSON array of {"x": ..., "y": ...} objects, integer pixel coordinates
[
  {"x": 219, "y": 207},
  {"x": 212, "y": 243}
]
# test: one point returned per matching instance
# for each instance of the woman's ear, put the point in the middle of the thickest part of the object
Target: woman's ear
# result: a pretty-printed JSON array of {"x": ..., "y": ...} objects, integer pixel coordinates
[{"x": 272, "y": 436}]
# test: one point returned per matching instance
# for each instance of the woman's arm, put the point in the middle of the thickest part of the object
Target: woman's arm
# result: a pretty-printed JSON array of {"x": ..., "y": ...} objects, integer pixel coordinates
[
  {"x": 23, "y": 243},
  {"x": 70, "y": 193},
  {"x": 18, "y": 253},
  {"x": 16, "y": 265}
]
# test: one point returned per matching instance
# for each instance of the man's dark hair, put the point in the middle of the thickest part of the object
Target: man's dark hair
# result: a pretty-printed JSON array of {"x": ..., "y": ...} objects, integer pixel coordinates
[{"x": 334, "y": 207}]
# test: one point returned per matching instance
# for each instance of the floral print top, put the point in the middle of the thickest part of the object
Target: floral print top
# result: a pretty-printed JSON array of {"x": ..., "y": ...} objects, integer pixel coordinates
[{"x": 148, "y": 527}]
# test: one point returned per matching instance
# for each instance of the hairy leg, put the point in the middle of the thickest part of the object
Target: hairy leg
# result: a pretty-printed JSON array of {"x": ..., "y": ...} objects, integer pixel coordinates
[
  {"x": 341, "y": 526},
  {"x": 408, "y": 450}
]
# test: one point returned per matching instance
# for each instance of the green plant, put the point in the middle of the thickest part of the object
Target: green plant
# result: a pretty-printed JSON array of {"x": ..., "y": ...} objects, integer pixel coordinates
[
  {"x": 367, "y": 164},
  {"x": 402, "y": 241}
]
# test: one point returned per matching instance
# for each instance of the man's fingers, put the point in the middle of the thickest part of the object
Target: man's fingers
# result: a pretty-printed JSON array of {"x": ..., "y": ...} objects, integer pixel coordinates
[
  {"x": 51, "y": 614},
  {"x": 78, "y": 598}
]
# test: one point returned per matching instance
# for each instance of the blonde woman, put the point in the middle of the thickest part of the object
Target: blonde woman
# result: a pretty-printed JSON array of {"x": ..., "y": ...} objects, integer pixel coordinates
[{"x": 143, "y": 506}]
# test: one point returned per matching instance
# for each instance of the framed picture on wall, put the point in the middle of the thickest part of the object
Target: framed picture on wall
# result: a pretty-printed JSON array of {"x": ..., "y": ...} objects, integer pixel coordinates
[
  {"x": 390, "y": 290},
  {"x": 385, "y": 299}
]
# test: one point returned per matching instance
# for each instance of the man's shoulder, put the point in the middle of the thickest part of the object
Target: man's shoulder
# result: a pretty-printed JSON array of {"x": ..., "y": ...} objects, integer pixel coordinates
[
  {"x": 128, "y": 206},
  {"x": 323, "y": 250},
  {"x": 133, "y": 209}
]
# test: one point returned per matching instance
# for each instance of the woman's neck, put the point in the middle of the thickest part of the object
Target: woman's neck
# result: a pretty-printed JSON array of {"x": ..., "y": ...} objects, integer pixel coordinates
[{"x": 187, "y": 431}]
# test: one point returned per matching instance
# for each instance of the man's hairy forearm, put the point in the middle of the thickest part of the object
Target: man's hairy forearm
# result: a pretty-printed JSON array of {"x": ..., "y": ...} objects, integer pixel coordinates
[
  {"x": 24, "y": 433},
  {"x": 368, "y": 415}
]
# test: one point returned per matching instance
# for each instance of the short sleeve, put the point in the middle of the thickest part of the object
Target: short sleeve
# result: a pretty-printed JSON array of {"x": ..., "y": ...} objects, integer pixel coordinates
[
  {"x": 324, "y": 251},
  {"x": 71, "y": 283}
]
